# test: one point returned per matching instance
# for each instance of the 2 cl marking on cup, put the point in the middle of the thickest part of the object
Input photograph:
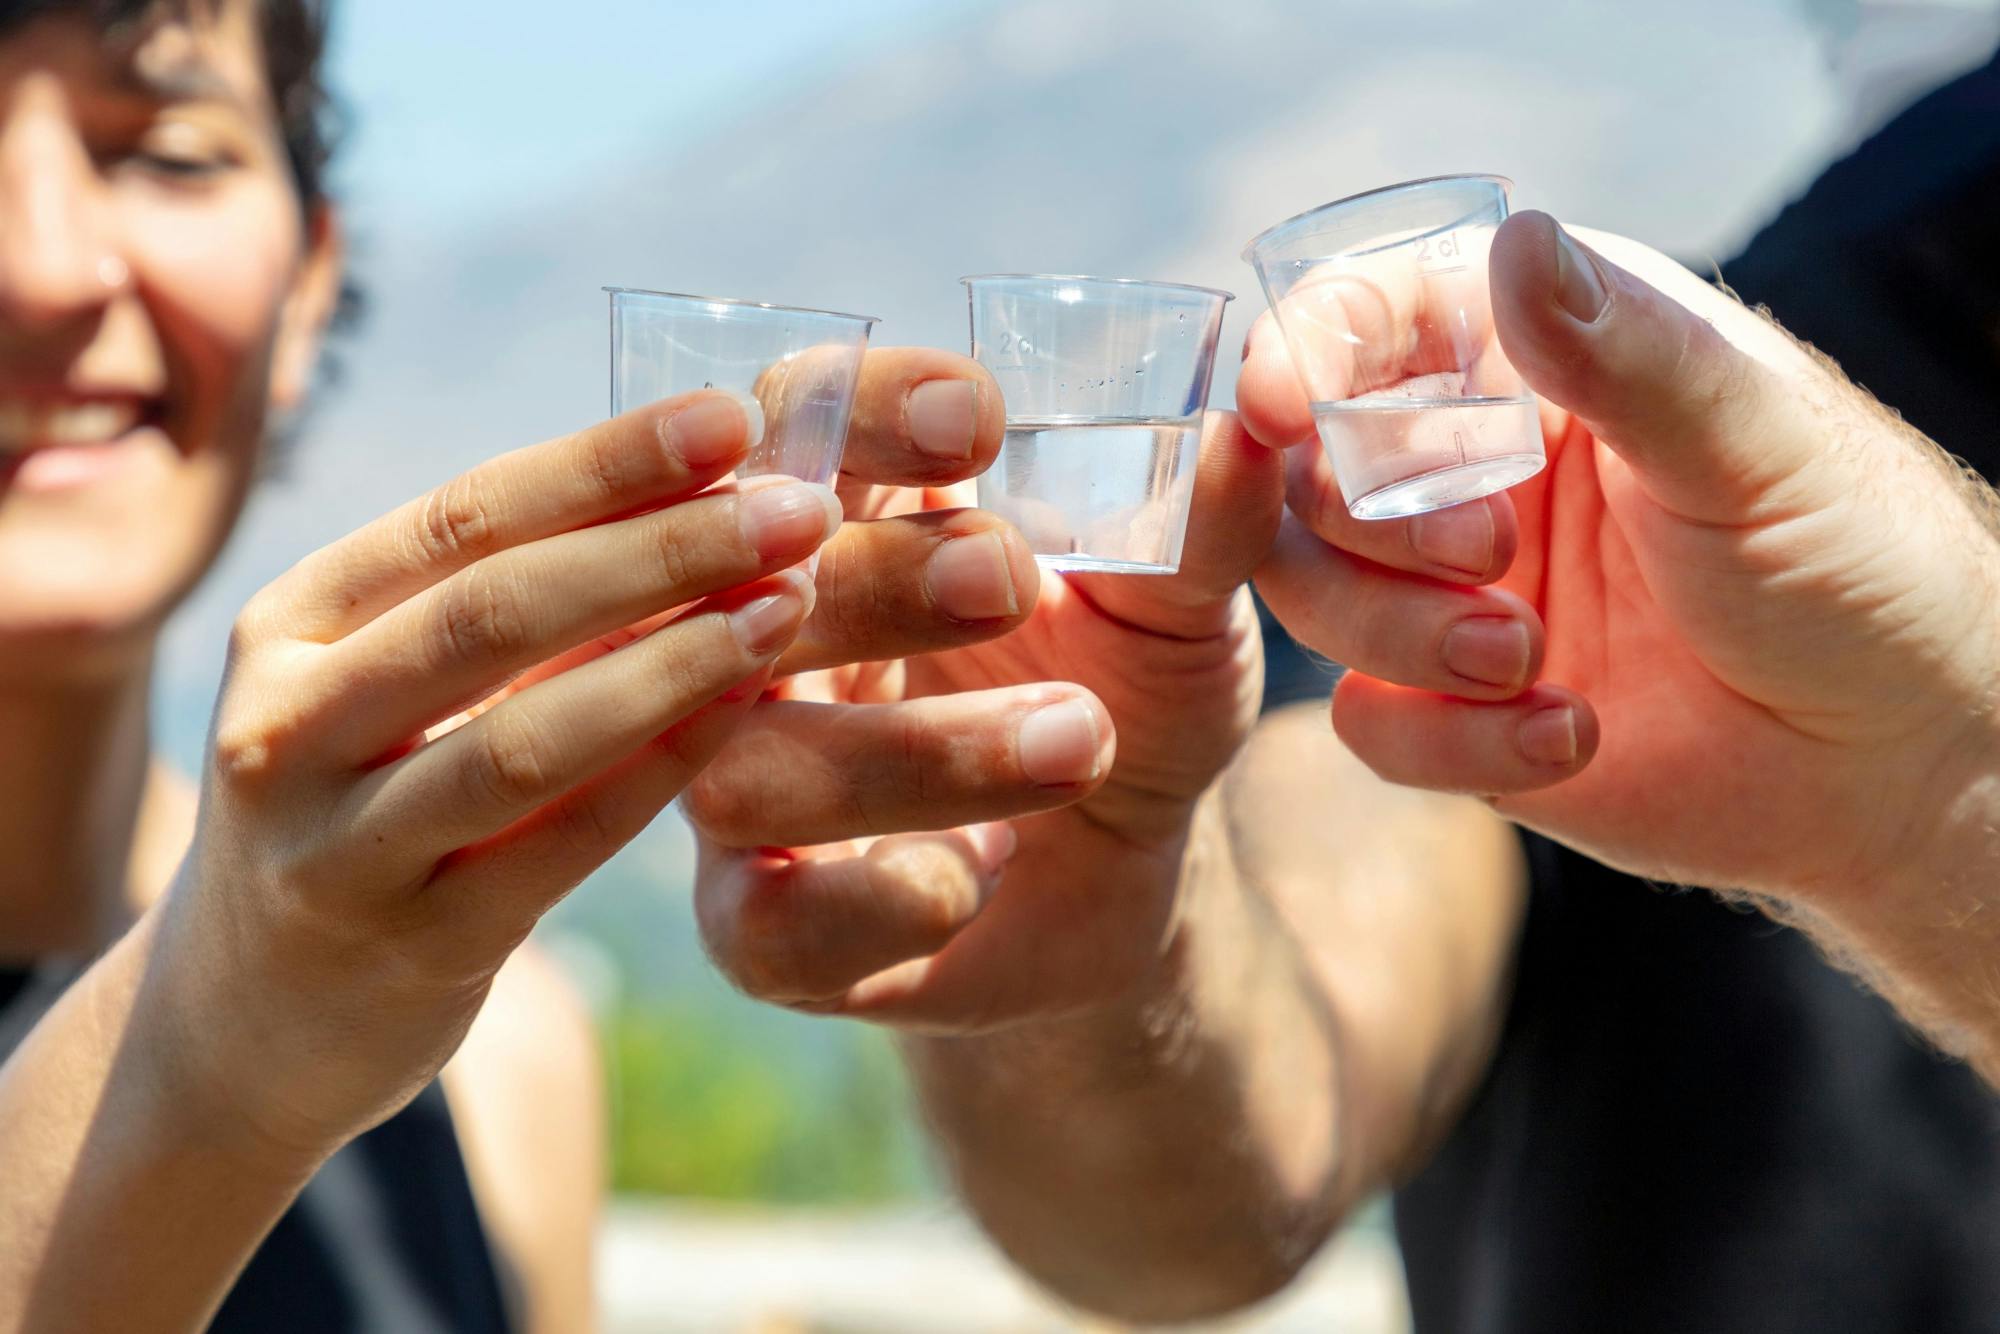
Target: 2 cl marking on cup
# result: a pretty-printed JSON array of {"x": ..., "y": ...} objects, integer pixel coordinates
[
  {"x": 1020, "y": 348},
  {"x": 1433, "y": 252}
]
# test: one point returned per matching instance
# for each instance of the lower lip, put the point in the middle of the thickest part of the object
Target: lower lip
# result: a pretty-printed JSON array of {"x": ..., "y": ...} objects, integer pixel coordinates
[{"x": 59, "y": 468}]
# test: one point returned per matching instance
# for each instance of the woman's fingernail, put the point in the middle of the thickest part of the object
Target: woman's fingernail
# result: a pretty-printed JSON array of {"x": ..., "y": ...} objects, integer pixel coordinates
[
  {"x": 713, "y": 428},
  {"x": 941, "y": 417},
  {"x": 1579, "y": 290},
  {"x": 1459, "y": 538},
  {"x": 1058, "y": 744},
  {"x": 1489, "y": 649},
  {"x": 766, "y": 624},
  {"x": 1548, "y": 736},
  {"x": 970, "y": 578},
  {"x": 788, "y": 518}
]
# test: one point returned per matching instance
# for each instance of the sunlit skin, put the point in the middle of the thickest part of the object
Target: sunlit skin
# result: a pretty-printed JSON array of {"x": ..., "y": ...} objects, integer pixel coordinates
[
  {"x": 1168, "y": 1035},
  {"x": 368, "y": 853}
]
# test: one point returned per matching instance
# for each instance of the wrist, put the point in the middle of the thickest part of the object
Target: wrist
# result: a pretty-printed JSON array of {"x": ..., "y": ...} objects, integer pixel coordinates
[
  {"x": 184, "y": 1010},
  {"x": 1925, "y": 930}
]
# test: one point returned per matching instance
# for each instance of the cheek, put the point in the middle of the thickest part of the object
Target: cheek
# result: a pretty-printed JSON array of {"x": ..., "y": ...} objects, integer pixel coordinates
[{"x": 214, "y": 275}]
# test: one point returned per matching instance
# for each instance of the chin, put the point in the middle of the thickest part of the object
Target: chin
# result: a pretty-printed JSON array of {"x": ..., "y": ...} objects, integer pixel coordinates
[{"x": 95, "y": 556}]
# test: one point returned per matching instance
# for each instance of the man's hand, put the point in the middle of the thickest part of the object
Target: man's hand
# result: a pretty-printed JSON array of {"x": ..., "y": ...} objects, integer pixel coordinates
[
  {"x": 1765, "y": 607},
  {"x": 899, "y": 913}
]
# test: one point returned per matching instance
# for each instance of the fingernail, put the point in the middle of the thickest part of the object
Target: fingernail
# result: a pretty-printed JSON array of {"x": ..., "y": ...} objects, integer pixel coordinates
[
  {"x": 765, "y": 625},
  {"x": 970, "y": 579},
  {"x": 1578, "y": 288},
  {"x": 1058, "y": 744},
  {"x": 1548, "y": 736},
  {"x": 996, "y": 842},
  {"x": 1489, "y": 649},
  {"x": 713, "y": 428},
  {"x": 1459, "y": 538},
  {"x": 789, "y": 518},
  {"x": 940, "y": 415}
]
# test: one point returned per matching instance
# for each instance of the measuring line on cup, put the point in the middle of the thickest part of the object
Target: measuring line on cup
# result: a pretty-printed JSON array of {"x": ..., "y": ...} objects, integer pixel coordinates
[
  {"x": 1417, "y": 413},
  {"x": 1106, "y": 380}
]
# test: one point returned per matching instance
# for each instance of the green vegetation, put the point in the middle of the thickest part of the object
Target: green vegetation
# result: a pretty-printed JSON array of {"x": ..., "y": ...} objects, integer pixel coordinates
[{"x": 700, "y": 1107}]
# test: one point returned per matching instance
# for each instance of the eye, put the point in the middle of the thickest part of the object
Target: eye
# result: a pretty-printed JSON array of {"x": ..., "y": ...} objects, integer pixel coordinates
[
  {"x": 178, "y": 166},
  {"x": 175, "y": 152}
]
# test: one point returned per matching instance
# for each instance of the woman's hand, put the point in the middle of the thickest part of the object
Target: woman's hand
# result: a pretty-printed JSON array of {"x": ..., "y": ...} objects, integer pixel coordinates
[{"x": 359, "y": 873}]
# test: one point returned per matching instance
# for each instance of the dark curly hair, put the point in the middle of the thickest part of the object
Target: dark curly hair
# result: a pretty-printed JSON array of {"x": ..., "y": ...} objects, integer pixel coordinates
[{"x": 293, "y": 33}]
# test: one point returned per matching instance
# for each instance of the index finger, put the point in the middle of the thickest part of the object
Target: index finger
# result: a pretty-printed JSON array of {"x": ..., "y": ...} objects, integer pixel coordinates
[
  {"x": 644, "y": 458},
  {"x": 1374, "y": 323}
]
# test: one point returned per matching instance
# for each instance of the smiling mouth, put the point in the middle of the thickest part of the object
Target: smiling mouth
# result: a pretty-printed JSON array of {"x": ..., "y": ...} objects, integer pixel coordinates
[{"x": 29, "y": 426}]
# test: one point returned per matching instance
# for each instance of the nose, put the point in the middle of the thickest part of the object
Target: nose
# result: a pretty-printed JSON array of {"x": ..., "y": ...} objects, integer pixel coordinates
[{"x": 58, "y": 259}]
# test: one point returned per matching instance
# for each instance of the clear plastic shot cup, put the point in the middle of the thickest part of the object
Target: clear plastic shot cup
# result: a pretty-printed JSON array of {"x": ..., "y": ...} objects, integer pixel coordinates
[
  {"x": 1383, "y": 304},
  {"x": 800, "y": 365},
  {"x": 1105, "y": 381}
]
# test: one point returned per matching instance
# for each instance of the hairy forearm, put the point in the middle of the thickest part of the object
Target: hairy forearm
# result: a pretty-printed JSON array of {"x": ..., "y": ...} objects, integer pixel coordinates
[
  {"x": 1330, "y": 997},
  {"x": 123, "y": 1207},
  {"x": 1170, "y": 1156},
  {"x": 1926, "y": 935}
]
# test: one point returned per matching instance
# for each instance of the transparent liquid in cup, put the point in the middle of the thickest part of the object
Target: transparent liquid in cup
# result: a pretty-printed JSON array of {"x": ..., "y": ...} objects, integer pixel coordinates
[
  {"x": 1407, "y": 453},
  {"x": 1105, "y": 381},
  {"x": 1081, "y": 485},
  {"x": 1383, "y": 303}
]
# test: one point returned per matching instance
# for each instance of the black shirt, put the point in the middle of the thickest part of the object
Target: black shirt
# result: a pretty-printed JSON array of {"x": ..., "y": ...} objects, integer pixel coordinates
[{"x": 1693, "y": 1122}]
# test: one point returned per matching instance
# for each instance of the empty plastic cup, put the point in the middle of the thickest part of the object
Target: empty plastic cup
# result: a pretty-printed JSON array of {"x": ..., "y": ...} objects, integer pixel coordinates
[
  {"x": 800, "y": 365},
  {"x": 1105, "y": 381},
  {"x": 1383, "y": 303}
]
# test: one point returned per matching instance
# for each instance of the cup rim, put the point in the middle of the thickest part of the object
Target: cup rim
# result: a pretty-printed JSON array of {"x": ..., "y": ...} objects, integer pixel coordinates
[
  {"x": 737, "y": 301},
  {"x": 971, "y": 278},
  {"x": 1250, "y": 249}
]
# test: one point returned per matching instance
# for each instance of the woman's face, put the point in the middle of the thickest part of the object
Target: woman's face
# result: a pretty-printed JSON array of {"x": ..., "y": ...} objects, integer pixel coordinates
[{"x": 159, "y": 294}]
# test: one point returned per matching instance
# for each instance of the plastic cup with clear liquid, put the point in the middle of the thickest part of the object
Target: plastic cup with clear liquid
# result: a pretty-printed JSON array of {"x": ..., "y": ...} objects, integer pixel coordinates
[
  {"x": 801, "y": 366},
  {"x": 1383, "y": 304},
  {"x": 1105, "y": 381}
]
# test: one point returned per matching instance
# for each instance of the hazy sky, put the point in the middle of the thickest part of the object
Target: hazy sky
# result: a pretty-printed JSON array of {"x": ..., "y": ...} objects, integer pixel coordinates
[{"x": 461, "y": 104}]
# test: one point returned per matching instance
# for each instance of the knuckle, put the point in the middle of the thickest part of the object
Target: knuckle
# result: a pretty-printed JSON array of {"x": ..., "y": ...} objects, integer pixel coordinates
[
  {"x": 586, "y": 829},
  {"x": 765, "y": 960},
  {"x": 740, "y": 799},
  {"x": 607, "y": 469},
  {"x": 509, "y": 765},
  {"x": 918, "y": 770},
  {"x": 854, "y": 605},
  {"x": 455, "y": 523},
  {"x": 245, "y": 752},
  {"x": 481, "y": 621},
  {"x": 252, "y": 626},
  {"x": 719, "y": 808},
  {"x": 676, "y": 559}
]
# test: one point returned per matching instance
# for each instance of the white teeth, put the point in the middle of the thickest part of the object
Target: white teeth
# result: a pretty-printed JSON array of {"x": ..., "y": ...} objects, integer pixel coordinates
[
  {"x": 24, "y": 426},
  {"x": 90, "y": 423}
]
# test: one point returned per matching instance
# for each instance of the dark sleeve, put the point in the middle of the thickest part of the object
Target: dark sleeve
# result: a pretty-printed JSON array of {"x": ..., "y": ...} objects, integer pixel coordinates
[{"x": 1292, "y": 673}]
